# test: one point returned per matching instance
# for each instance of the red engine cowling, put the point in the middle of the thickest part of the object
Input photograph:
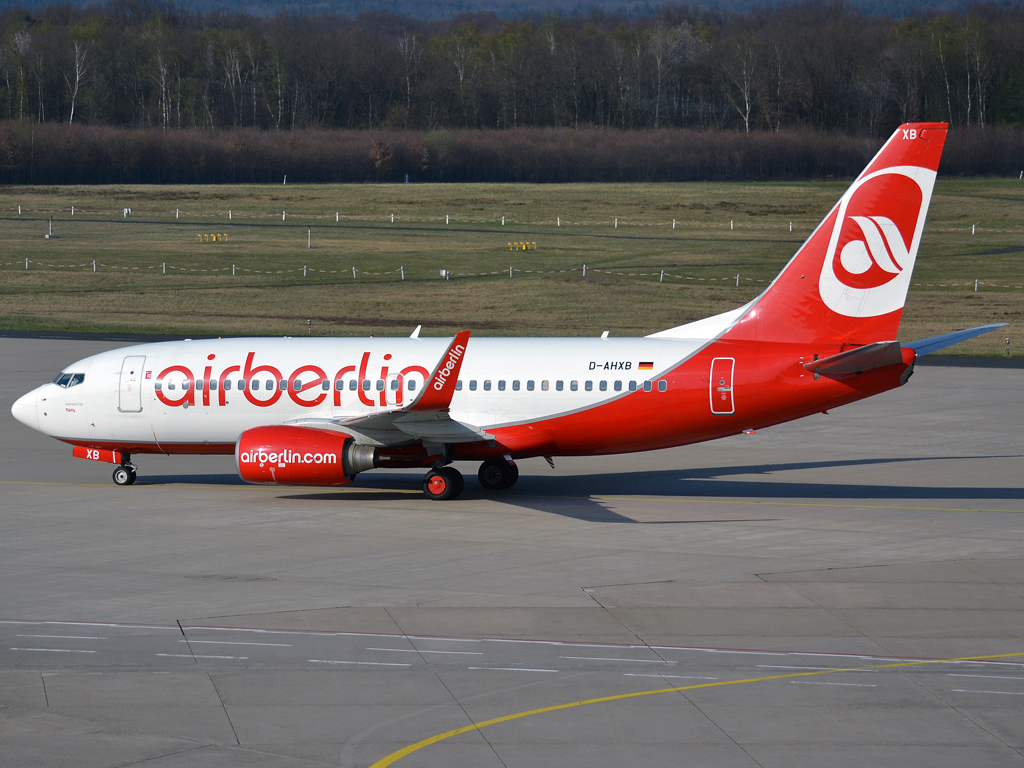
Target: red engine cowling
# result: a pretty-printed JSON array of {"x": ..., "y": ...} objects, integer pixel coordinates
[{"x": 286, "y": 455}]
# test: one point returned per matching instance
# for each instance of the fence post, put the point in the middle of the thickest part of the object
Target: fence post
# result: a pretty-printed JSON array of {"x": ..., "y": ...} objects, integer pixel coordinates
[
  {"x": 72, "y": 210},
  {"x": 616, "y": 223},
  {"x": 229, "y": 215},
  {"x": 972, "y": 229},
  {"x": 26, "y": 263},
  {"x": 791, "y": 226},
  {"x": 177, "y": 213},
  {"x": 19, "y": 210},
  {"x": 503, "y": 221},
  {"x": 662, "y": 278},
  {"x": 163, "y": 267},
  {"x": 337, "y": 217},
  {"x": 353, "y": 273},
  {"x": 510, "y": 273},
  {"x": 730, "y": 223},
  {"x": 584, "y": 270},
  {"x": 303, "y": 270},
  {"x": 402, "y": 270},
  {"x": 559, "y": 221},
  {"x": 309, "y": 238},
  {"x": 975, "y": 286},
  {"x": 232, "y": 270},
  {"x": 673, "y": 223},
  {"x": 737, "y": 281},
  {"x": 446, "y": 218},
  {"x": 94, "y": 265}
]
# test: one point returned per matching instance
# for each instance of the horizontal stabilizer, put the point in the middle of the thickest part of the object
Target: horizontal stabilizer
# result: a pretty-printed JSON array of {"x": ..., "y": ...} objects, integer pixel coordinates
[
  {"x": 935, "y": 343},
  {"x": 857, "y": 360}
]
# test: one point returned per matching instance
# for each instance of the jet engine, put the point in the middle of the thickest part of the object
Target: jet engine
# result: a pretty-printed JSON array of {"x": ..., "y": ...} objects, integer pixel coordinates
[{"x": 286, "y": 455}]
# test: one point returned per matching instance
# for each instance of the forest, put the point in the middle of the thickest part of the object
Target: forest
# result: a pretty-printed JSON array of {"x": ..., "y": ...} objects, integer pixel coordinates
[{"x": 138, "y": 74}]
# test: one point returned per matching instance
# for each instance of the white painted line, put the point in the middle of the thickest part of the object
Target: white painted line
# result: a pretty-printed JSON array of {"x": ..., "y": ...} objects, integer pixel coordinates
[
  {"x": 230, "y": 642},
  {"x": 667, "y": 677},
  {"x": 997, "y": 693},
  {"x": 64, "y": 637},
  {"x": 512, "y": 669},
  {"x": 197, "y": 656},
  {"x": 988, "y": 677},
  {"x": 413, "y": 650},
  {"x": 604, "y": 658},
  {"x": 173, "y": 628},
  {"x": 364, "y": 663},
  {"x": 52, "y": 650},
  {"x": 852, "y": 685}
]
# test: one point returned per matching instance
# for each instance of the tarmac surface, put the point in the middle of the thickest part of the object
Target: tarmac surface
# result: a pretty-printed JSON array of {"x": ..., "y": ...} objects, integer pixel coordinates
[{"x": 845, "y": 590}]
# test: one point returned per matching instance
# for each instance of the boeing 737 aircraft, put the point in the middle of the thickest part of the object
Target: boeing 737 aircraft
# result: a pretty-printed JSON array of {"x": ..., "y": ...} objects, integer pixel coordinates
[{"x": 318, "y": 412}]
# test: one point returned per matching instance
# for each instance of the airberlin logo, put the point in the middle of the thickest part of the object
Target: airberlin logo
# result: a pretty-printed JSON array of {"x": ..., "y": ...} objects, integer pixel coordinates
[
  {"x": 454, "y": 355},
  {"x": 287, "y": 457},
  {"x": 874, "y": 241}
]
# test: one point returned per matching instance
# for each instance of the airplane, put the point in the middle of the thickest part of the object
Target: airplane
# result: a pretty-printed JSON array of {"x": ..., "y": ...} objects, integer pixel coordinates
[{"x": 320, "y": 411}]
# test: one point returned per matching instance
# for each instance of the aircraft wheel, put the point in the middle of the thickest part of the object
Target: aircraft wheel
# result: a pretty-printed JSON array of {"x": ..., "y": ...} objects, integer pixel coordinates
[
  {"x": 496, "y": 474},
  {"x": 443, "y": 484},
  {"x": 124, "y": 475}
]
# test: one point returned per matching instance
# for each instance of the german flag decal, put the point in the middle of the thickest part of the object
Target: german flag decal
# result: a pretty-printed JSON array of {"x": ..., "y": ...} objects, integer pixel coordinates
[{"x": 646, "y": 366}]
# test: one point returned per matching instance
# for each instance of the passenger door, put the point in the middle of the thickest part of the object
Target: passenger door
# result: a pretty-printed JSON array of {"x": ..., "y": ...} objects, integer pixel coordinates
[
  {"x": 721, "y": 385},
  {"x": 130, "y": 394}
]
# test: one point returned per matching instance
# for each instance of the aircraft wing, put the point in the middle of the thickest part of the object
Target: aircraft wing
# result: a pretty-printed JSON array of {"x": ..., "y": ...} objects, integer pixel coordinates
[{"x": 426, "y": 418}]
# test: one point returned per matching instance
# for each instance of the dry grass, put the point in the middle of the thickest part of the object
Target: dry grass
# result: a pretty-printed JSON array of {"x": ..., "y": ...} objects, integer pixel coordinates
[{"x": 279, "y": 300}]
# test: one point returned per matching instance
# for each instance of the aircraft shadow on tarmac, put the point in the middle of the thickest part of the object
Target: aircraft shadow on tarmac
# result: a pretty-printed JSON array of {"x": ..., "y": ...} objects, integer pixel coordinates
[{"x": 574, "y": 496}]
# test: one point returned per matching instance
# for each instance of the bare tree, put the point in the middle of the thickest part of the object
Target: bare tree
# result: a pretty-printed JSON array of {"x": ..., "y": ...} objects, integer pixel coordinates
[
  {"x": 79, "y": 54},
  {"x": 741, "y": 72}
]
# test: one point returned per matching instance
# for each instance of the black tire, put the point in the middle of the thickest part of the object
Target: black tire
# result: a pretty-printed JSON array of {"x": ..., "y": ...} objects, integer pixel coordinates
[
  {"x": 123, "y": 476},
  {"x": 133, "y": 478},
  {"x": 495, "y": 474},
  {"x": 443, "y": 484}
]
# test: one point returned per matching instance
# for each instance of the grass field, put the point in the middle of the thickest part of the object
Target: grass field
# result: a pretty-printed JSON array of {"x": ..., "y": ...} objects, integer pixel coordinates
[{"x": 269, "y": 294}]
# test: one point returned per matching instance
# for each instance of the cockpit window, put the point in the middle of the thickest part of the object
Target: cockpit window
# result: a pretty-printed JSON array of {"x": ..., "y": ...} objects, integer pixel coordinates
[{"x": 67, "y": 380}]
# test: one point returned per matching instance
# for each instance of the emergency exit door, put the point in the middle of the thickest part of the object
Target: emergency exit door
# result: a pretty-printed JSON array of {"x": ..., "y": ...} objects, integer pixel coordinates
[
  {"x": 130, "y": 394},
  {"x": 721, "y": 385}
]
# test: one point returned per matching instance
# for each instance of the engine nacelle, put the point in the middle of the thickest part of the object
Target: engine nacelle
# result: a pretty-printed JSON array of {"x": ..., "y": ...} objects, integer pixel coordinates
[{"x": 284, "y": 455}]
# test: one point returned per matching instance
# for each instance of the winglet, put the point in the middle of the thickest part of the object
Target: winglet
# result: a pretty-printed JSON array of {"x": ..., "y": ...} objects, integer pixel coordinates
[{"x": 440, "y": 387}]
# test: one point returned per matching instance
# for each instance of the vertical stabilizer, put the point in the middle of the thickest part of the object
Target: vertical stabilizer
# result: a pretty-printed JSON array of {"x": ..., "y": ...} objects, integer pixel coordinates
[{"x": 849, "y": 280}]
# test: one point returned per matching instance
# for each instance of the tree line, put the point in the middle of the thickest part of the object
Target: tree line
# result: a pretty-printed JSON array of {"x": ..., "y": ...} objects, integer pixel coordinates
[{"x": 818, "y": 65}]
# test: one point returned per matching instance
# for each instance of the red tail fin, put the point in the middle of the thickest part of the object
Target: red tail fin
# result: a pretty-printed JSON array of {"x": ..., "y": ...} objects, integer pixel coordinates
[{"x": 849, "y": 280}]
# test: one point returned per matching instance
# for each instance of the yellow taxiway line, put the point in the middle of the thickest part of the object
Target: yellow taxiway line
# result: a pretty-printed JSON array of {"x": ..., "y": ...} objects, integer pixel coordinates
[{"x": 394, "y": 757}]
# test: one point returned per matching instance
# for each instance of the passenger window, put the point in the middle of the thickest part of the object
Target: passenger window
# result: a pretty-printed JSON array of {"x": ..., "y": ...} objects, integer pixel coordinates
[
  {"x": 353, "y": 385},
  {"x": 558, "y": 385},
  {"x": 160, "y": 385},
  {"x": 186, "y": 384},
  {"x": 487, "y": 385},
  {"x": 515, "y": 385},
  {"x": 227, "y": 385},
  {"x": 603, "y": 386},
  {"x": 545, "y": 385},
  {"x": 325, "y": 385},
  {"x": 529, "y": 385},
  {"x": 662, "y": 386},
  {"x": 618, "y": 386},
  {"x": 339, "y": 385},
  {"x": 574, "y": 385},
  {"x": 458, "y": 385},
  {"x": 366, "y": 385},
  {"x": 472, "y": 385},
  {"x": 380, "y": 385},
  {"x": 283, "y": 384},
  {"x": 411, "y": 385},
  {"x": 255, "y": 385},
  {"x": 241, "y": 385},
  {"x": 588, "y": 386},
  {"x": 199, "y": 385},
  {"x": 647, "y": 386},
  {"x": 213, "y": 385},
  {"x": 170, "y": 385},
  {"x": 394, "y": 385},
  {"x": 632, "y": 386},
  {"x": 501, "y": 385}
]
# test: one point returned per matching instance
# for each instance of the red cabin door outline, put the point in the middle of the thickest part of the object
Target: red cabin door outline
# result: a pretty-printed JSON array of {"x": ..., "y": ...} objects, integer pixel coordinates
[{"x": 721, "y": 385}]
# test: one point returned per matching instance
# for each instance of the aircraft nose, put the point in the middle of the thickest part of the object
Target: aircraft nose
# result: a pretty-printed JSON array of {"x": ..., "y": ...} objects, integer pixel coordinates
[{"x": 24, "y": 410}]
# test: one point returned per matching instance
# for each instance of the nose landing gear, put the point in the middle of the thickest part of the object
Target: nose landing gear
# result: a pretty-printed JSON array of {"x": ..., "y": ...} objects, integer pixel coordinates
[
  {"x": 443, "y": 484},
  {"x": 125, "y": 474}
]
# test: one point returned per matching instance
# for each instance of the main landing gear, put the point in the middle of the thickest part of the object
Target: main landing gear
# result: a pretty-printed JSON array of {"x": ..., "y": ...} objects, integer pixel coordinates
[
  {"x": 496, "y": 474},
  {"x": 443, "y": 484},
  {"x": 125, "y": 474}
]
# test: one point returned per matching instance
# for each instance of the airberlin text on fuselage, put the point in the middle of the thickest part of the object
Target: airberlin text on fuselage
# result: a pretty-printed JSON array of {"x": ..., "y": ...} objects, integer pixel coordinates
[
  {"x": 449, "y": 365},
  {"x": 211, "y": 386}
]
